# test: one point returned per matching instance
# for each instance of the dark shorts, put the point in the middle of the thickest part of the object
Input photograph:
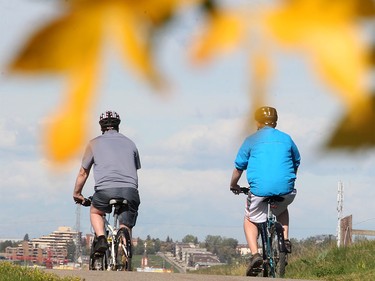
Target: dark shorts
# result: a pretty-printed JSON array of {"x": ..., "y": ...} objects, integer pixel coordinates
[{"x": 128, "y": 214}]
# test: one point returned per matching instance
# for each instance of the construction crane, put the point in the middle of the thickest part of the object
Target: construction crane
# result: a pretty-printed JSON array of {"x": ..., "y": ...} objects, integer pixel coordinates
[
  {"x": 340, "y": 204},
  {"x": 78, "y": 239}
]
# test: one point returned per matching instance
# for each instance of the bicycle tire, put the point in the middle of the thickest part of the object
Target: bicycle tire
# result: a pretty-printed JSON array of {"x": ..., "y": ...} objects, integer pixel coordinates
[
  {"x": 280, "y": 269},
  {"x": 123, "y": 250},
  {"x": 269, "y": 266},
  {"x": 279, "y": 258}
]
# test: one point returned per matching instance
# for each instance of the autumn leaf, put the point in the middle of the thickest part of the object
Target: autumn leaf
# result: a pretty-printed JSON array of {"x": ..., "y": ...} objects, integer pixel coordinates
[
  {"x": 72, "y": 45},
  {"x": 356, "y": 129},
  {"x": 223, "y": 32},
  {"x": 328, "y": 33}
]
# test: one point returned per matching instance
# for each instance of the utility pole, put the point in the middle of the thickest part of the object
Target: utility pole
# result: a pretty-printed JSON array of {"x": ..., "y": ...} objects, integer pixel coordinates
[
  {"x": 78, "y": 252},
  {"x": 340, "y": 204}
]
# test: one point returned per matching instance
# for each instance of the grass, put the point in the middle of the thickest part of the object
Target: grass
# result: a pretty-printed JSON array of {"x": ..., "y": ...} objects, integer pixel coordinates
[
  {"x": 12, "y": 272},
  {"x": 353, "y": 263},
  {"x": 356, "y": 262}
]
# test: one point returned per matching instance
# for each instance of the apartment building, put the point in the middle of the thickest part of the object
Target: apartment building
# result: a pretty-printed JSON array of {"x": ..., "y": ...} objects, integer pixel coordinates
[{"x": 52, "y": 247}]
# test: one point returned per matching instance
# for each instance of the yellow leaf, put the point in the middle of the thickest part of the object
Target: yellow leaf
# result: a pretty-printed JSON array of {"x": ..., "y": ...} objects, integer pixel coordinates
[
  {"x": 341, "y": 59},
  {"x": 132, "y": 40},
  {"x": 224, "y": 32},
  {"x": 67, "y": 132},
  {"x": 326, "y": 30},
  {"x": 292, "y": 22},
  {"x": 62, "y": 45},
  {"x": 357, "y": 129}
]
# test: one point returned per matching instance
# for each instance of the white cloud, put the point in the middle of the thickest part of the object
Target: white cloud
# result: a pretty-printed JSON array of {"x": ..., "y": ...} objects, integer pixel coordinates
[{"x": 8, "y": 136}]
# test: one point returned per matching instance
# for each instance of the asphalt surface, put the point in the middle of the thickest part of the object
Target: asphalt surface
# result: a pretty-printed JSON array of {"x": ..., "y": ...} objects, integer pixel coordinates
[{"x": 88, "y": 275}]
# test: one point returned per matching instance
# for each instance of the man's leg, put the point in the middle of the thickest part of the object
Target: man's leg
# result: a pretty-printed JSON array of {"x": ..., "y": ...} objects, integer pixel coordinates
[
  {"x": 96, "y": 217},
  {"x": 251, "y": 234},
  {"x": 283, "y": 218}
]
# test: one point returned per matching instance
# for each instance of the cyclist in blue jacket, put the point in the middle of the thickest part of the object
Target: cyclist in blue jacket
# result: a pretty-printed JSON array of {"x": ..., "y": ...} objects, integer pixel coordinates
[
  {"x": 115, "y": 161},
  {"x": 271, "y": 159}
]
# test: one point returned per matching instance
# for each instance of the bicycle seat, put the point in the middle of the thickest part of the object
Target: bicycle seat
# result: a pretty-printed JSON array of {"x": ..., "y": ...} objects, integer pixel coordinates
[
  {"x": 275, "y": 198},
  {"x": 118, "y": 202}
]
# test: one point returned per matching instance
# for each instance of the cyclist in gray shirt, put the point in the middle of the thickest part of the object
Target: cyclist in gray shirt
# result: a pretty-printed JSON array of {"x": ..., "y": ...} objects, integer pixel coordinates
[{"x": 115, "y": 161}]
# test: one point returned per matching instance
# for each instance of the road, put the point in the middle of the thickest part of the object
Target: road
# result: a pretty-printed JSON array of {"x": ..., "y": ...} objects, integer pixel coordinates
[{"x": 87, "y": 275}]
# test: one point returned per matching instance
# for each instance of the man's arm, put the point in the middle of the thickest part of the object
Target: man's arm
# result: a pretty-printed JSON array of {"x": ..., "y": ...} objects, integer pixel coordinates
[
  {"x": 83, "y": 174},
  {"x": 236, "y": 175}
]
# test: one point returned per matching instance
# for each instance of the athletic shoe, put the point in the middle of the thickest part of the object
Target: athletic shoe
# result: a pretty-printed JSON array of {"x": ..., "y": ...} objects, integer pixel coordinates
[
  {"x": 288, "y": 246},
  {"x": 101, "y": 245},
  {"x": 254, "y": 266}
]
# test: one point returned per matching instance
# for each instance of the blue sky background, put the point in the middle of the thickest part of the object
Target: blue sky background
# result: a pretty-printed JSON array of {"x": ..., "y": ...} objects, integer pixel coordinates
[{"x": 187, "y": 141}]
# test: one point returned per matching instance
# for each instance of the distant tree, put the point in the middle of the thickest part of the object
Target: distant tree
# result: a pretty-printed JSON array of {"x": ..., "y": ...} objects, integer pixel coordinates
[
  {"x": 71, "y": 248},
  {"x": 26, "y": 237},
  {"x": 228, "y": 250},
  {"x": 212, "y": 243},
  {"x": 7, "y": 243},
  {"x": 190, "y": 239},
  {"x": 167, "y": 246},
  {"x": 224, "y": 248},
  {"x": 157, "y": 245},
  {"x": 140, "y": 248},
  {"x": 85, "y": 247}
]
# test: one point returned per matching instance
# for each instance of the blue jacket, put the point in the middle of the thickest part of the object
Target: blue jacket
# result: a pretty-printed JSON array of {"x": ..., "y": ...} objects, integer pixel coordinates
[{"x": 271, "y": 159}]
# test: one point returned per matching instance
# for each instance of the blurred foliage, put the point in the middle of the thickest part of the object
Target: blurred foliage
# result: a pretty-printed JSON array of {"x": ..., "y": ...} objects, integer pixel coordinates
[
  {"x": 329, "y": 33},
  {"x": 11, "y": 272}
]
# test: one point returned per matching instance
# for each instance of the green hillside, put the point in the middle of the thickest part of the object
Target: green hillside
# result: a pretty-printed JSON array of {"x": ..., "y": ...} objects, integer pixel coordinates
[{"x": 354, "y": 263}]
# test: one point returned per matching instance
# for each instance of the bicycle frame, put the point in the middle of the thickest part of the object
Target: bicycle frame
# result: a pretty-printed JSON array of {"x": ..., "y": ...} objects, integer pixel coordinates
[
  {"x": 269, "y": 232},
  {"x": 111, "y": 232},
  {"x": 116, "y": 238},
  {"x": 274, "y": 251}
]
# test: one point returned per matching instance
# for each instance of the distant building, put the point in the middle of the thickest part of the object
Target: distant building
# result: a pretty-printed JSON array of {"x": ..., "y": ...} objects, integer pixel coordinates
[
  {"x": 52, "y": 247},
  {"x": 243, "y": 249},
  {"x": 194, "y": 257}
]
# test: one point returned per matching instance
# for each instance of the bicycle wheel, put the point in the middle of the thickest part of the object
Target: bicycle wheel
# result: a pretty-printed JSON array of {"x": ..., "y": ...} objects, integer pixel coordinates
[
  {"x": 279, "y": 258},
  {"x": 123, "y": 250},
  {"x": 271, "y": 246},
  {"x": 97, "y": 263}
]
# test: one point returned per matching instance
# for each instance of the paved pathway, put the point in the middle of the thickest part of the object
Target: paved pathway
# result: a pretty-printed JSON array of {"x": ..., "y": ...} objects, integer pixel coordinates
[{"x": 147, "y": 276}]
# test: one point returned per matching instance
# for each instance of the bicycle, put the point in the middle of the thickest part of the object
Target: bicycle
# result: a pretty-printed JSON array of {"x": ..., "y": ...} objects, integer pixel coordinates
[
  {"x": 119, "y": 254},
  {"x": 274, "y": 250}
]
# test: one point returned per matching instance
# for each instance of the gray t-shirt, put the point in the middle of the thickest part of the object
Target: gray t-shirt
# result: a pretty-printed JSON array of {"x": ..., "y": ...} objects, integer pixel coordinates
[{"x": 115, "y": 159}]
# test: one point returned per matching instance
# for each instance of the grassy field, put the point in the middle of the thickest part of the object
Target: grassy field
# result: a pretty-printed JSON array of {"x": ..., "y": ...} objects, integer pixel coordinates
[
  {"x": 12, "y": 272},
  {"x": 356, "y": 262},
  {"x": 353, "y": 263}
]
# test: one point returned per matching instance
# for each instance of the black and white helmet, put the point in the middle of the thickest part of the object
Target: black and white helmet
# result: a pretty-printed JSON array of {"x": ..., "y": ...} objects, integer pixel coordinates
[{"x": 109, "y": 120}]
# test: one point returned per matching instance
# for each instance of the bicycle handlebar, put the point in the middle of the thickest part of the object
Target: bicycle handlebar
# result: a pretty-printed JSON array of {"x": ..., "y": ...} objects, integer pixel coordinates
[
  {"x": 86, "y": 202},
  {"x": 244, "y": 190}
]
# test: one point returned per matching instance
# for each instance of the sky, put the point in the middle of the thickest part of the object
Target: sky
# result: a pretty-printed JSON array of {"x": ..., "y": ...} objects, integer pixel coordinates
[{"x": 187, "y": 140}]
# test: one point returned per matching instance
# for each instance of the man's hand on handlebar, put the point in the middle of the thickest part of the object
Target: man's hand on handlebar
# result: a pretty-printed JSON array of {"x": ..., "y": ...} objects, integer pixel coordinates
[
  {"x": 78, "y": 198},
  {"x": 236, "y": 189},
  {"x": 82, "y": 200}
]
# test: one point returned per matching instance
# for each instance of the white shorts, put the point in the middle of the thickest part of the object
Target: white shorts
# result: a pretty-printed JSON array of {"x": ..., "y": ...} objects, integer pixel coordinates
[{"x": 256, "y": 209}]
